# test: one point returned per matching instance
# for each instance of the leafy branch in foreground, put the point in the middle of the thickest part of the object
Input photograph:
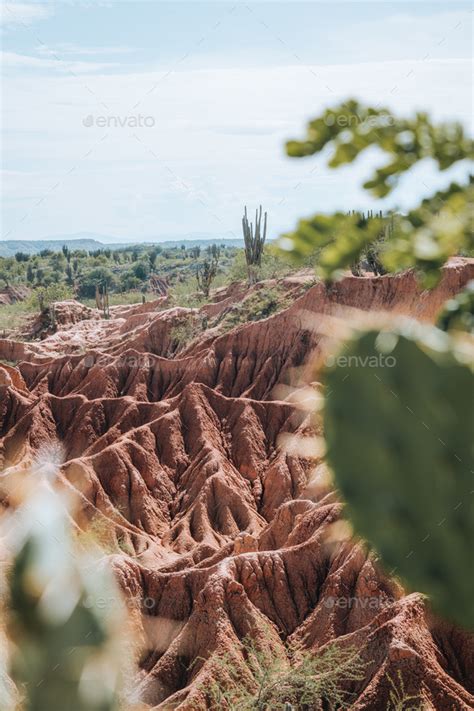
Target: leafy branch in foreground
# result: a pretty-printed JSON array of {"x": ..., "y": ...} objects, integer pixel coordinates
[
  {"x": 298, "y": 679},
  {"x": 64, "y": 642},
  {"x": 458, "y": 313},
  {"x": 398, "y": 432},
  {"x": 424, "y": 238}
]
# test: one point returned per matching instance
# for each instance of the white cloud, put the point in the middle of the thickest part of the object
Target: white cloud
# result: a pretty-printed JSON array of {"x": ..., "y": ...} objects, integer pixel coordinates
[
  {"x": 12, "y": 60},
  {"x": 23, "y": 13},
  {"x": 216, "y": 143},
  {"x": 69, "y": 48}
]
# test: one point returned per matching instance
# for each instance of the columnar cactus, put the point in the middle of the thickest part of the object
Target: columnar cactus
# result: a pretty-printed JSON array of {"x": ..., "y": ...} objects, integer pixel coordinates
[
  {"x": 205, "y": 275},
  {"x": 254, "y": 239}
]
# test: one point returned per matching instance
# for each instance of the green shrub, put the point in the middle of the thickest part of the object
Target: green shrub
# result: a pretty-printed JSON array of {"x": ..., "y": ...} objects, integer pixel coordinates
[
  {"x": 97, "y": 276},
  {"x": 296, "y": 679},
  {"x": 261, "y": 304}
]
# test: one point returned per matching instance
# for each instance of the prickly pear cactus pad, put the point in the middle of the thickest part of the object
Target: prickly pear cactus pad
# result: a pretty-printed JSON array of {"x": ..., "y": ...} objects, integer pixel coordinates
[{"x": 399, "y": 419}]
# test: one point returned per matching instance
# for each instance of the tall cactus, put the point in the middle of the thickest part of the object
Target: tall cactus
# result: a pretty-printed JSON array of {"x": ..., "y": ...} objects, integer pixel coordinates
[
  {"x": 205, "y": 275},
  {"x": 52, "y": 316},
  {"x": 398, "y": 421},
  {"x": 102, "y": 298},
  {"x": 254, "y": 239},
  {"x": 105, "y": 297}
]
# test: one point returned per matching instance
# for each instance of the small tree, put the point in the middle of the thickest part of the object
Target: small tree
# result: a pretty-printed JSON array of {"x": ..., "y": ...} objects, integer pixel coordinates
[
  {"x": 206, "y": 273},
  {"x": 69, "y": 275},
  {"x": 254, "y": 239},
  {"x": 22, "y": 257},
  {"x": 152, "y": 257},
  {"x": 67, "y": 252},
  {"x": 30, "y": 275},
  {"x": 140, "y": 269}
]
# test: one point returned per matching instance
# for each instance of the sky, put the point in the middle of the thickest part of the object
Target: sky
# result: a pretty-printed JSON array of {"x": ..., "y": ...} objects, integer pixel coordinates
[{"x": 154, "y": 120}]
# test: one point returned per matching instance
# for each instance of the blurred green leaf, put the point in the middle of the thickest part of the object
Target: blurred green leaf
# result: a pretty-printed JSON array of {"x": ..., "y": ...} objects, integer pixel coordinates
[
  {"x": 423, "y": 239},
  {"x": 398, "y": 424}
]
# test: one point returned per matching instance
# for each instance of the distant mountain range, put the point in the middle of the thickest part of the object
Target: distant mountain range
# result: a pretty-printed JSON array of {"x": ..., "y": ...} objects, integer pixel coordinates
[{"x": 90, "y": 241}]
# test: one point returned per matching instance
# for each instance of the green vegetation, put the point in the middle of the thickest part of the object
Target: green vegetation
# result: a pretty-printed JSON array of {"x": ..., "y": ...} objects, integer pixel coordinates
[
  {"x": 406, "y": 487},
  {"x": 399, "y": 407},
  {"x": 259, "y": 305},
  {"x": 400, "y": 700},
  {"x": 294, "y": 679},
  {"x": 274, "y": 264},
  {"x": 184, "y": 332},
  {"x": 66, "y": 648},
  {"x": 121, "y": 271},
  {"x": 458, "y": 313},
  {"x": 254, "y": 240},
  {"x": 127, "y": 276},
  {"x": 15, "y": 316},
  {"x": 425, "y": 237},
  {"x": 207, "y": 271}
]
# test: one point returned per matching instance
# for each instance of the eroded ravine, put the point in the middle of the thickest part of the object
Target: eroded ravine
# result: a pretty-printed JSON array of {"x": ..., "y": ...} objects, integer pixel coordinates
[{"x": 210, "y": 517}]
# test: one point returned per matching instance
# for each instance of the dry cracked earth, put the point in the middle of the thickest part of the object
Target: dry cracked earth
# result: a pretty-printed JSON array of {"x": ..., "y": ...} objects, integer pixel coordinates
[{"x": 217, "y": 527}]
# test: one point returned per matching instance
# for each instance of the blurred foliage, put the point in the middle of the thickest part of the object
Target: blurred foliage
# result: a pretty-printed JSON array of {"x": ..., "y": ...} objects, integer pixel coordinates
[
  {"x": 398, "y": 423},
  {"x": 65, "y": 652},
  {"x": 439, "y": 227},
  {"x": 294, "y": 679},
  {"x": 340, "y": 239},
  {"x": 458, "y": 313},
  {"x": 398, "y": 431}
]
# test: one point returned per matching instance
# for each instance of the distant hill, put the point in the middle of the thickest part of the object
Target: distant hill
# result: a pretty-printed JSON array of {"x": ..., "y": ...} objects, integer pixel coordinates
[{"x": 8, "y": 248}]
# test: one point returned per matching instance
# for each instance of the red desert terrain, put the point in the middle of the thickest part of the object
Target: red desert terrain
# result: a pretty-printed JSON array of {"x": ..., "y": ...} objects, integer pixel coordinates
[{"x": 216, "y": 526}]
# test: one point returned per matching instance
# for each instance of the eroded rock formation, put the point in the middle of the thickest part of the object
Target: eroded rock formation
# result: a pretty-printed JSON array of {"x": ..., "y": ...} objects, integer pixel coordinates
[{"x": 216, "y": 530}]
